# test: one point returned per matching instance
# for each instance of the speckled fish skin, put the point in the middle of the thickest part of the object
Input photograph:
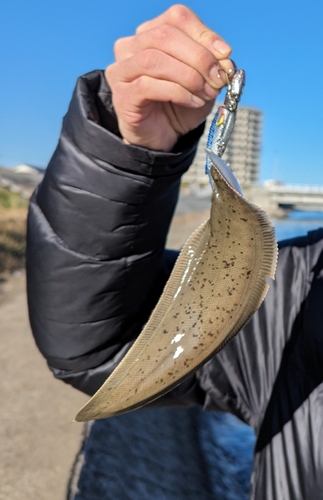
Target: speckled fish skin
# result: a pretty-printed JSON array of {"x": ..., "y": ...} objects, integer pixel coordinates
[{"x": 219, "y": 281}]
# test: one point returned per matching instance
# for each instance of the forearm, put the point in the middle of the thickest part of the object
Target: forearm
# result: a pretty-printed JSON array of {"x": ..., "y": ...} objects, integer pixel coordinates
[{"x": 96, "y": 234}]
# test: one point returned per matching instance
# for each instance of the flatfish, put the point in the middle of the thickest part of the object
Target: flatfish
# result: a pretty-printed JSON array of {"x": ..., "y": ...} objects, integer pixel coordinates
[{"x": 220, "y": 279}]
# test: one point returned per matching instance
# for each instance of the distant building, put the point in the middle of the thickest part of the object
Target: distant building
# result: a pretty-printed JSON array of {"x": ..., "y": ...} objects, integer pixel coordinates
[{"x": 242, "y": 152}]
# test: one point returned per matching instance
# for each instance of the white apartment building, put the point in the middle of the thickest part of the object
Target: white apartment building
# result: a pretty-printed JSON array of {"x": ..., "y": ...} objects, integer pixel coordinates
[{"x": 242, "y": 152}]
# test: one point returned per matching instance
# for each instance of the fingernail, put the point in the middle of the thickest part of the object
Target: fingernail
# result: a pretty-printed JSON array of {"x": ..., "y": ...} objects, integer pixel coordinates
[
  {"x": 221, "y": 47},
  {"x": 210, "y": 92},
  {"x": 198, "y": 102},
  {"x": 217, "y": 76}
]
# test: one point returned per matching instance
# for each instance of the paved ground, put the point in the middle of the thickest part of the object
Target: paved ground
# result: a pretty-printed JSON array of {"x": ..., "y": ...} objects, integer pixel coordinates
[{"x": 38, "y": 436}]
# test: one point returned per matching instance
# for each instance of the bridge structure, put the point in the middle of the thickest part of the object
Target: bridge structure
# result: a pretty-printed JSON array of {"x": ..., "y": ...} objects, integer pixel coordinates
[
  {"x": 297, "y": 197},
  {"x": 279, "y": 199}
]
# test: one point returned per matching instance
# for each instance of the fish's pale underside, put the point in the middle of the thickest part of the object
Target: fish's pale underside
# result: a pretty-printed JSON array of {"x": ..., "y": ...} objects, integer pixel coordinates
[{"x": 218, "y": 282}]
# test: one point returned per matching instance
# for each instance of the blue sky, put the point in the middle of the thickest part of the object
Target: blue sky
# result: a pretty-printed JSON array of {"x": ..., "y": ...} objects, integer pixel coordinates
[{"x": 45, "y": 46}]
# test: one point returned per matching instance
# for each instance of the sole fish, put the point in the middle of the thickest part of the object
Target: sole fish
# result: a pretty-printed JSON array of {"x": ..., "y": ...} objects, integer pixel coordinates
[{"x": 219, "y": 281}]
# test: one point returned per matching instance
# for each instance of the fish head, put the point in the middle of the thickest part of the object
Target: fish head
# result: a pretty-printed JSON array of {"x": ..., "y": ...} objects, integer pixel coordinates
[{"x": 220, "y": 170}]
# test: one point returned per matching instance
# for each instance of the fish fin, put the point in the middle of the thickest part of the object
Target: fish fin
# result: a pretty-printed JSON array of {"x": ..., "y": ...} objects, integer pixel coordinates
[
  {"x": 193, "y": 249},
  {"x": 259, "y": 286}
]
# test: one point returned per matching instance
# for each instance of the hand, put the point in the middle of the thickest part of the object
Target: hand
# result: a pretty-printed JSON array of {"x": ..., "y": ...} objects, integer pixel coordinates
[{"x": 166, "y": 77}]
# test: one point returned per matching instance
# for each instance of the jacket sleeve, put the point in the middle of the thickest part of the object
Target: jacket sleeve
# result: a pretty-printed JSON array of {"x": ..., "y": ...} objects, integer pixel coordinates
[{"x": 97, "y": 225}]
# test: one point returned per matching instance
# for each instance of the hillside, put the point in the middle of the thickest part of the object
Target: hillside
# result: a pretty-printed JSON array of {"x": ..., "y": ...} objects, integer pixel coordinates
[{"x": 13, "y": 213}]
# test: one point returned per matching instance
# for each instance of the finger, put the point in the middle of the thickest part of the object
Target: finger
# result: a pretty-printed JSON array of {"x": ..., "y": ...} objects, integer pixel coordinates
[
  {"x": 178, "y": 45},
  {"x": 228, "y": 66},
  {"x": 140, "y": 122},
  {"x": 146, "y": 89},
  {"x": 158, "y": 65},
  {"x": 170, "y": 39},
  {"x": 185, "y": 19}
]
